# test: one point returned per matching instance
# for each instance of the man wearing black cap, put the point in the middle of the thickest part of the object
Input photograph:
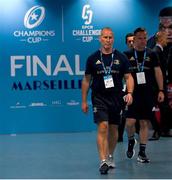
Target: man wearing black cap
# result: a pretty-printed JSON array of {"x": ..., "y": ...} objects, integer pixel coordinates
[{"x": 165, "y": 26}]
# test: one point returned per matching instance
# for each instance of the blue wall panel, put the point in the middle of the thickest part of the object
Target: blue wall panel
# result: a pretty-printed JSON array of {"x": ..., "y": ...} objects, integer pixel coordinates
[{"x": 44, "y": 46}]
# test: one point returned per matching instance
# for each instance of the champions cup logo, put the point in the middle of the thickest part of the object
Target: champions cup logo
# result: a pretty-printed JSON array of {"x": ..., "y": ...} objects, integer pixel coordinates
[
  {"x": 34, "y": 17},
  {"x": 87, "y": 14}
]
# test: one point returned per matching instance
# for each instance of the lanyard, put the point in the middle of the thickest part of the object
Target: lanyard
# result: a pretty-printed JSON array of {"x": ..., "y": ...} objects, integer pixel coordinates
[
  {"x": 141, "y": 67},
  {"x": 107, "y": 71}
]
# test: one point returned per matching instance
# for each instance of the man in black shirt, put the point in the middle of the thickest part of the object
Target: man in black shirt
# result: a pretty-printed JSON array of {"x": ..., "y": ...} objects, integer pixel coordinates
[
  {"x": 145, "y": 70},
  {"x": 129, "y": 42},
  {"x": 161, "y": 43},
  {"x": 165, "y": 26},
  {"x": 170, "y": 66},
  {"x": 105, "y": 70}
]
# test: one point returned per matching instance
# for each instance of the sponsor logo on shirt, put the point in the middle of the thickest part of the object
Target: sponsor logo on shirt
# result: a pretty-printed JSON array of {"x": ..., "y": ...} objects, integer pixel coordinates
[
  {"x": 132, "y": 59},
  {"x": 98, "y": 62},
  {"x": 116, "y": 61}
]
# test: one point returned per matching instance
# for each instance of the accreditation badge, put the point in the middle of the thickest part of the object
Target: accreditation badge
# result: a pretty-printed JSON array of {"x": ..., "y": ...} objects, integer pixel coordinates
[
  {"x": 108, "y": 81},
  {"x": 141, "y": 78}
]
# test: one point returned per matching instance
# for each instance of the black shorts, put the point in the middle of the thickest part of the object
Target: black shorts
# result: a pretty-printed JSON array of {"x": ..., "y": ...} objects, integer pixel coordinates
[
  {"x": 141, "y": 108},
  {"x": 107, "y": 108}
]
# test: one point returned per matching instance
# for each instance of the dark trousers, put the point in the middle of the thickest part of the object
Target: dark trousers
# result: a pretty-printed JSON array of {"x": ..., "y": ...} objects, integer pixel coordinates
[{"x": 166, "y": 117}]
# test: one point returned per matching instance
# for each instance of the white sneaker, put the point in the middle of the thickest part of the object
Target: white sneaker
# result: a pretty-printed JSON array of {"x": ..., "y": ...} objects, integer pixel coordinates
[
  {"x": 104, "y": 167},
  {"x": 111, "y": 162}
]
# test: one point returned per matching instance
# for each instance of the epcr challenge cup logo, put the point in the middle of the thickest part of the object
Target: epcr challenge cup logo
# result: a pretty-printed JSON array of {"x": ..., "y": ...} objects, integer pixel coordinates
[
  {"x": 87, "y": 14},
  {"x": 34, "y": 17}
]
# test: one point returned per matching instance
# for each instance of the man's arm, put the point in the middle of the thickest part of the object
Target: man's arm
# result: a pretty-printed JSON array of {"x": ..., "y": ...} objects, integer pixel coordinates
[
  {"x": 159, "y": 80},
  {"x": 85, "y": 87},
  {"x": 130, "y": 87}
]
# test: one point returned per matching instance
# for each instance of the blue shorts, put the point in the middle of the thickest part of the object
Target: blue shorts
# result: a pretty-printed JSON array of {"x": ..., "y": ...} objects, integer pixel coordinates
[{"x": 107, "y": 108}]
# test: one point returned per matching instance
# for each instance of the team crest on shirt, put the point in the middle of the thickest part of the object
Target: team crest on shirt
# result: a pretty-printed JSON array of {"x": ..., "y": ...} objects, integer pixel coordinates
[
  {"x": 132, "y": 58},
  {"x": 98, "y": 62},
  {"x": 116, "y": 61}
]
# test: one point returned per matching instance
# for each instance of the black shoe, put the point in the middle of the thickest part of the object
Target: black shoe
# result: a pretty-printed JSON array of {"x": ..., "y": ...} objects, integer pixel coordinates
[
  {"x": 143, "y": 158},
  {"x": 131, "y": 152},
  {"x": 155, "y": 136},
  {"x": 104, "y": 167}
]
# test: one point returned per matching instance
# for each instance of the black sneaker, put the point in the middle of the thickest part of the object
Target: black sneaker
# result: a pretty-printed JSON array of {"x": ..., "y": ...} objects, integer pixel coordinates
[
  {"x": 131, "y": 152},
  {"x": 143, "y": 158},
  {"x": 155, "y": 136},
  {"x": 104, "y": 167}
]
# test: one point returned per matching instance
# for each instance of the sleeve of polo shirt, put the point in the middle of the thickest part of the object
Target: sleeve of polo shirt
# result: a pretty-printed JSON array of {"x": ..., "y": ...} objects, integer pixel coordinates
[
  {"x": 127, "y": 64},
  {"x": 155, "y": 59},
  {"x": 89, "y": 66}
]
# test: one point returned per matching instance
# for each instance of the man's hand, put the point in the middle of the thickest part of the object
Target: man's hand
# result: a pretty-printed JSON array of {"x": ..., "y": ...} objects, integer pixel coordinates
[
  {"x": 160, "y": 96},
  {"x": 84, "y": 107},
  {"x": 128, "y": 98}
]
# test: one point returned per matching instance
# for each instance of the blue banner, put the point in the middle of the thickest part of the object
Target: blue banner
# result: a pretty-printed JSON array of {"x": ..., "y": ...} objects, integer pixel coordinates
[{"x": 44, "y": 47}]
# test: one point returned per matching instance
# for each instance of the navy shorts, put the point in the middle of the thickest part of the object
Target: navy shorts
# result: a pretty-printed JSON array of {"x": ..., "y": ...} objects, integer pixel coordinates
[
  {"x": 107, "y": 108},
  {"x": 141, "y": 108}
]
